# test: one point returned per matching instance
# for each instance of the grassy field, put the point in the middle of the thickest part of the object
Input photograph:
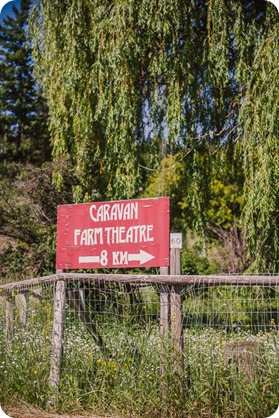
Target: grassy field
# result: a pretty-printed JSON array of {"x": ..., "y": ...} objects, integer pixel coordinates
[{"x": 136, "y": 375}]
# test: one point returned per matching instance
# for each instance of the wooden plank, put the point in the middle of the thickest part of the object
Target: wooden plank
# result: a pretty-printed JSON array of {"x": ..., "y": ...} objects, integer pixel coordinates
[
  {"x": 211, "y": 280},
  {"x": 57, "y": 335},
  {"x": 21, "y": 303},
  {"x": 164, "y": 309},
  {"x": 177, "y": 328},
  {"x": 164, "y": 290},
  {"x": 214, "y": 280},
  {"x": 245, "y": 356},
  {"x": 2, "y": 305},
  {"x": 24, "y": 285},
  {"x": 175, "y": 262},
  {"x": 176, "y": 313},
  {"x": 9, "y": 321},
  {"x": 164, "y": 305}
]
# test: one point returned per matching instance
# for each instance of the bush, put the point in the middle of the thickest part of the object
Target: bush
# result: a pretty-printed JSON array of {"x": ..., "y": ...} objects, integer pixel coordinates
[
  {"x": 28, "y": 204},
  {"x": 193, "y": 263}
]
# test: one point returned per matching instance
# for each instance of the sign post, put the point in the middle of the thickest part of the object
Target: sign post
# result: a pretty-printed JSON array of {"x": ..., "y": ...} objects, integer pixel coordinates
[{"x": 176, "y": 307}]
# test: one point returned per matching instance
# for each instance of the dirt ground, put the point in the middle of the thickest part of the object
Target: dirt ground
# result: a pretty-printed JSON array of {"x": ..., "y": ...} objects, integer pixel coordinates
[{"x": 25, "y": 411}]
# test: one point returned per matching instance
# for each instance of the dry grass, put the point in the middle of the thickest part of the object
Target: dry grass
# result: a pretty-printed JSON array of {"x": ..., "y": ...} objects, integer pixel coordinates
[{"x": 27, "y": 411}]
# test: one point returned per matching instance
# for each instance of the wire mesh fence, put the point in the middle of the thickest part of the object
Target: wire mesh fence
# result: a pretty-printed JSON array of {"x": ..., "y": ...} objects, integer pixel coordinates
[{"x": 143, "y": 345}]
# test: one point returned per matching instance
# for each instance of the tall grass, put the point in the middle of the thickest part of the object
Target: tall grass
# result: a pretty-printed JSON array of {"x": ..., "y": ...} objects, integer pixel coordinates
[{"x": 135, "y": 376}]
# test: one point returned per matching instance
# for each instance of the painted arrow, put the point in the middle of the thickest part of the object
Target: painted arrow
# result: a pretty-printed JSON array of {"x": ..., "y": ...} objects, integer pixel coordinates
[
  {"x": 88, "y": 259},
  {"x": 143, "y": 257}
]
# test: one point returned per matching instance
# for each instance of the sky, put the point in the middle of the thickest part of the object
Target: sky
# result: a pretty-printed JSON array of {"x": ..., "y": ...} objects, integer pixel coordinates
[{"x": 7, "y": 9}]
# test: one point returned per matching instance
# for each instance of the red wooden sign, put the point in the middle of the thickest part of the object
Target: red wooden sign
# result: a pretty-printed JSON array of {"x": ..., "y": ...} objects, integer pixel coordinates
[{"x": 127, "y": 233}]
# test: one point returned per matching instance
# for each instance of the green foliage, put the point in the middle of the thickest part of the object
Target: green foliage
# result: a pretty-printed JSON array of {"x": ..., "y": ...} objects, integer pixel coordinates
[
  {"x": 28, "y": 204},
  {"x": 259, "y": 115},
  {"x": 222, "y": 205},
  {"x": 193, "y": 263},
  {"x": 219, "y": 187},
  {"x": 126, "y": 79},
  {"x": 23, "y": 113},
  {"x": 118, "y": 74}
]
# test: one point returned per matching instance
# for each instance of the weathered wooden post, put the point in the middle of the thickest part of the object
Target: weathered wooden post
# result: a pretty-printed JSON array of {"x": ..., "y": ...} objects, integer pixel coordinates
[
  {"x": 9, "y": 307},
  {"x": 164, "y": 304},
  {"x": 176, "y": 304},
  {"x": 21, "y": 303},
  {"x": 245, "y": 356},
  {"x": 57, "y": 337},
  {"x": 164, "y": 290}
]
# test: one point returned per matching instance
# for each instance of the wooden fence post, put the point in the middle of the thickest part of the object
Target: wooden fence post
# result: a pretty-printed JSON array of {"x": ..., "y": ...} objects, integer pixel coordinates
[
  {"x": 21, "y": 303},
  {"x": 164, "y": 304},
  {"x": 9, "y": 307},
  {"x": 164, "y": 290},
  {"x": 176, "y": 313},
  {"x": 57, "y": 336}
]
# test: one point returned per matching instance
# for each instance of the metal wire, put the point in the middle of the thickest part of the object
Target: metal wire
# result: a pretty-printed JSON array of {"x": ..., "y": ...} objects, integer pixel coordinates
[{"x": 118, "y": 335}]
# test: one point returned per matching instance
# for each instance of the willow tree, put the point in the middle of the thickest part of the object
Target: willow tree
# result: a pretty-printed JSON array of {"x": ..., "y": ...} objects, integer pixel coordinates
[
  {"x": 260, "y": 118},
  {"x": 128, "y": 81}
]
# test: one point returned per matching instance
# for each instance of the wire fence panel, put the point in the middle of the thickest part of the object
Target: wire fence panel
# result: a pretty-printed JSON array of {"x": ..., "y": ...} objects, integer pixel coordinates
[
  {"x": 143, "y": 345},
  {"x": 26, "y": 318}
]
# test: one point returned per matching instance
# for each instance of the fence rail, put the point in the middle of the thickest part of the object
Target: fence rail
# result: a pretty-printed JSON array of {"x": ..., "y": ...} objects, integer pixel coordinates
[{"x": 210, "y": 280}]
